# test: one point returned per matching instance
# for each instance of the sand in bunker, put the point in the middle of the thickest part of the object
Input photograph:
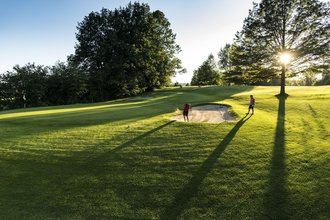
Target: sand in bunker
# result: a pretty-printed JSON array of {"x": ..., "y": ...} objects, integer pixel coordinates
[{"x": 207, "y": 113}]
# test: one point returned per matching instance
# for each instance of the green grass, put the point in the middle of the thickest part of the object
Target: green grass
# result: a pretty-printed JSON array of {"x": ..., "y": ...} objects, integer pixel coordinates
[{"x": 126, "y": 159}]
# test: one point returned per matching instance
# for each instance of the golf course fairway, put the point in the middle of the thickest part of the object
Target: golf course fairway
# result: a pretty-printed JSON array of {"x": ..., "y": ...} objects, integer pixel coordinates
[{"x": 126, "y": 158}]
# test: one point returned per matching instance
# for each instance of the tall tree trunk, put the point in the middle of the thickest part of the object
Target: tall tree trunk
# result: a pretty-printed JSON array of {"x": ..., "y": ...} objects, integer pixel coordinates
[{"x": 282, "y": 92}]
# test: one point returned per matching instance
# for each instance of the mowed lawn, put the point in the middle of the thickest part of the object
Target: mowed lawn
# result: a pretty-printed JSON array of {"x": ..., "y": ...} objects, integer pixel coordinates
[{"x": 126, "y": 159}]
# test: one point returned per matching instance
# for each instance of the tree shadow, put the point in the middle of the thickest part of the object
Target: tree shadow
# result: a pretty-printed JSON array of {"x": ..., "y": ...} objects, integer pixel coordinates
[
  {"x": 320, "y": 124},
  {"x": 190, "y": 190},
  {"x": 276, "y": 195},
  {"x": 105, "y": 156}
]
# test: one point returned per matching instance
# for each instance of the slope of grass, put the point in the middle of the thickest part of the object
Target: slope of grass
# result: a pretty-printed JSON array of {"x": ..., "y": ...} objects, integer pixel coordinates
[{"x": 126, "y": 159}]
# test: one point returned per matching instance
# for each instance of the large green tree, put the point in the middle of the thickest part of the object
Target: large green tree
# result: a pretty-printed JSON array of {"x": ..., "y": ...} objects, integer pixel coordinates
[
  {"x": 66, "y": 84},
  {"x": 224, "y": 60},
  {"x": 207, "y": 73},
  {"x": 24, "y": 86},
  {"x": 295, "y": 28},
  {"x": 126, "y": 51}
]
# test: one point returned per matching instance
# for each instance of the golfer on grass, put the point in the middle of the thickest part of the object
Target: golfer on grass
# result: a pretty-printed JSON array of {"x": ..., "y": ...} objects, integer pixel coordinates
[
  {"x": 186, "y": 109},
  {"x": 252, "y": 103}
]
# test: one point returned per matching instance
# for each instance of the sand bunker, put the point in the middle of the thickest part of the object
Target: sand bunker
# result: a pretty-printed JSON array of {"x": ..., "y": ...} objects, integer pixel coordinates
[{"x": 208, "y": 113}]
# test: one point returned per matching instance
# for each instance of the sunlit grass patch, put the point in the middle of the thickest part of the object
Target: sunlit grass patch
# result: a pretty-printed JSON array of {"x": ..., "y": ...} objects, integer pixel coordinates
[{"x": 127, "y": 159}]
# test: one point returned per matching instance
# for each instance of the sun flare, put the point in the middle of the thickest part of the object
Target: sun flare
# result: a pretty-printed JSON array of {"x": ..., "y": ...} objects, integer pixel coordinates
[{"x": 285, "y": 58}]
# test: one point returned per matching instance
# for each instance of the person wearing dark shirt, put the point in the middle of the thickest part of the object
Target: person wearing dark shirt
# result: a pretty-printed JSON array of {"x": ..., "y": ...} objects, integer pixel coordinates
[
  {"x": 252, "y": 103},
  {"x": 186, "y": 109}
]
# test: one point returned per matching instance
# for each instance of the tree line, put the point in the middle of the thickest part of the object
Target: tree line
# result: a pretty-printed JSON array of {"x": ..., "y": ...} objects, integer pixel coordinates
[
  {"x": 119, "y": 53},
  {"x": 37, "y": 85},
  {"x": 299, "y": 29}
]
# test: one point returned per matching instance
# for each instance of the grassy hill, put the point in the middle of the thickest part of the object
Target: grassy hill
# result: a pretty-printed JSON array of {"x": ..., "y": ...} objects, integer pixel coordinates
[{"x": 126, "y": 159}]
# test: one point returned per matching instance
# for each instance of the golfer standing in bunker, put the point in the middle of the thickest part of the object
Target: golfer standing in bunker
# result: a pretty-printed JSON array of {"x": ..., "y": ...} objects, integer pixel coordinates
[
  {"x": 186, "y": 109},
  {"x": 251, "y": 106}
]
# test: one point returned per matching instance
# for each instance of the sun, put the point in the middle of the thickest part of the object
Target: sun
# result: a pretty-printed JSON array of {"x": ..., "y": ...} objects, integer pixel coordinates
[{"x": 285, "y": 58}]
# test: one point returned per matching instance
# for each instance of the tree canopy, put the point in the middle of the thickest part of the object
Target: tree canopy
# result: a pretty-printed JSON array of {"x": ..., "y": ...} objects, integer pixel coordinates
[
  {"x": 207, "y": 73},
  {"x": 126, "y": 51},
  {"x": 36, "y": 85},
  {"x": 24, "y": 86},
  {"x": 298, "y": 28}
]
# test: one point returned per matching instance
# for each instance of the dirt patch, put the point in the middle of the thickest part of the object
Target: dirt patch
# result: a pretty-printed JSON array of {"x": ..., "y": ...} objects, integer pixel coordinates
[{"x": 207, "y": 113}]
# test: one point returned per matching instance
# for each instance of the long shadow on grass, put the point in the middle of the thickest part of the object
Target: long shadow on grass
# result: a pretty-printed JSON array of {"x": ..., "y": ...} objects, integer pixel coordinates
[
  {"x": 324, "y": 131},
  {"x": 276, "y": 196},
  {"x": 106, "y": 155},
  {"x": 191, "y": 189},
  {"x": 130, "y": 142}
]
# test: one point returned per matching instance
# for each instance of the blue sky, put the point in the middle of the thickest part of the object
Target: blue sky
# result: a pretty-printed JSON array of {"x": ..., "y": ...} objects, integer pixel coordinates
[{"x": 43, "y": 31}]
